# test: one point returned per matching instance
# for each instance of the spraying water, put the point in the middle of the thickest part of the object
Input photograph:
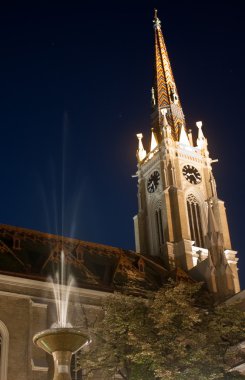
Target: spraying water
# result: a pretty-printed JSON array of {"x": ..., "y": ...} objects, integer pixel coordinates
[{"x": 61, "y": 287}]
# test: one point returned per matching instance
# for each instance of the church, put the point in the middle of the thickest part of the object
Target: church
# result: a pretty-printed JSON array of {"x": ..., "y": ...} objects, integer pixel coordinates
[{"x": 181, "y": 230}]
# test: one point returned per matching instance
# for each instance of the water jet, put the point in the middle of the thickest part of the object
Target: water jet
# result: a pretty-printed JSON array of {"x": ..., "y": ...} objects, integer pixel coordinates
[{"x": 61, "y": 340}]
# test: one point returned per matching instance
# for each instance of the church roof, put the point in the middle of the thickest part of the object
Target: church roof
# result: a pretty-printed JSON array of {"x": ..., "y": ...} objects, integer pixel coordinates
[{"x": 32, "y": 254}]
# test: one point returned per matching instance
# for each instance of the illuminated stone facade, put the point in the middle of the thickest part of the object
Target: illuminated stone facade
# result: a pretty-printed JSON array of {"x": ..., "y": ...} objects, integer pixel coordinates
[{"x": 180, "y": 217}]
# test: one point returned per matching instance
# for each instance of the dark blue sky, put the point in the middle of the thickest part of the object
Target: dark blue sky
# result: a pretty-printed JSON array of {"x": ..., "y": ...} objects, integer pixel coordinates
[{"x": 74, "y": 91}]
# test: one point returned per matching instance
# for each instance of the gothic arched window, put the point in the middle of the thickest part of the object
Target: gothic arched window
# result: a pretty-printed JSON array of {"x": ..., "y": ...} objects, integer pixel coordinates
[
  {"x": 4, "y": 348},
  {"x": 195, "y": 223},
  {"x": 159, "y": 226}
]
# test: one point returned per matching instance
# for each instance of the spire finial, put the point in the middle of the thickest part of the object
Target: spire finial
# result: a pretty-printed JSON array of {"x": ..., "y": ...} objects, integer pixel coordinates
[{"x": 156, "y": 21}]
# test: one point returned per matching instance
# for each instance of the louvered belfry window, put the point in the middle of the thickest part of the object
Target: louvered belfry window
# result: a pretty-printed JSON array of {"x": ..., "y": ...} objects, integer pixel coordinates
[{"x": 195, "y": 223}]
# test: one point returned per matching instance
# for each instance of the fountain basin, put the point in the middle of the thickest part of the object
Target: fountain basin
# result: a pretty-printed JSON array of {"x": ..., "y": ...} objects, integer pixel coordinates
[
  {"x": 61, "y": 343},
  {"x": 60, "y": 339}
]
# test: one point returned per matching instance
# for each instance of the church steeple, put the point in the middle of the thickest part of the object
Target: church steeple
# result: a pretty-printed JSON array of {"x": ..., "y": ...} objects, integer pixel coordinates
[
  {"x": 164, "y": 91},
  {"x": 175, "y": 184}
]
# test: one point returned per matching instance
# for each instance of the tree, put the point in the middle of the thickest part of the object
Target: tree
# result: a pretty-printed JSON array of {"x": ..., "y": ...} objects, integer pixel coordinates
[
  {"x": 115, "y": 339},
  {"x": 194, "y": 335},
  {"x": 175, "y": 334}
]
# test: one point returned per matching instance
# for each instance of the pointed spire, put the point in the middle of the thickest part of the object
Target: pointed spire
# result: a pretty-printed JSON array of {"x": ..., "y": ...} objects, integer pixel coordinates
[
  {"x": 165, "y": 91},
  {"x": 183, "y": 137},
  {"x": 154, "y": 142},
  {"x": 141, "y": 153}
]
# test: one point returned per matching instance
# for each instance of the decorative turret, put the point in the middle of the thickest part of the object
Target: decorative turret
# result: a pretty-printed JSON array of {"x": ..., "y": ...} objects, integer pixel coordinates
[
  {"x": 164, "y": 92},
  {"x": 201, "y": 141},
  {"x": 141, "y": 153}
]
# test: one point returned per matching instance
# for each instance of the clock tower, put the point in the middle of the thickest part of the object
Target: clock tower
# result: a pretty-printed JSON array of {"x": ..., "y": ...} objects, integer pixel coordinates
[{"x": 180, "y": 217}]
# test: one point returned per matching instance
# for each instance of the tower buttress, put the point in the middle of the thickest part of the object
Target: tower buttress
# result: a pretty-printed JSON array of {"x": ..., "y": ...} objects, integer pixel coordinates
[{"x": 224, "y": 285}]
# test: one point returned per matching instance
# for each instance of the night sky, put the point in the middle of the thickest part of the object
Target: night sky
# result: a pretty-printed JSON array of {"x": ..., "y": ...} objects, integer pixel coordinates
[{"x": 75, "y": 89}]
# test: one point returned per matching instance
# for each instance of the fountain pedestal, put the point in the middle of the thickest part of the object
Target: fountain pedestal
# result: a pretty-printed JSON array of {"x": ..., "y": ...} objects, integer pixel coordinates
[{"x": 61, "y": 343}]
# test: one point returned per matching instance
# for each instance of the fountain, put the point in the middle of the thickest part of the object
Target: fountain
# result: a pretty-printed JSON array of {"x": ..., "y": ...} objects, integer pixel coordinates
[{"x": 61, "y": 340}]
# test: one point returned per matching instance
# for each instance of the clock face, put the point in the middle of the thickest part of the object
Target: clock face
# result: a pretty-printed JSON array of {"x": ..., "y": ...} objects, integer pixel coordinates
[
  {"x": 191, "y": 174},
  {"x": 153, "y": 181}
]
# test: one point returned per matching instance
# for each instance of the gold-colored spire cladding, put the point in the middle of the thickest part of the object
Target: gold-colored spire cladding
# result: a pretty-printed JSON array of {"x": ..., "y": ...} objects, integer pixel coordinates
[{"x": 164, "y": 92}]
